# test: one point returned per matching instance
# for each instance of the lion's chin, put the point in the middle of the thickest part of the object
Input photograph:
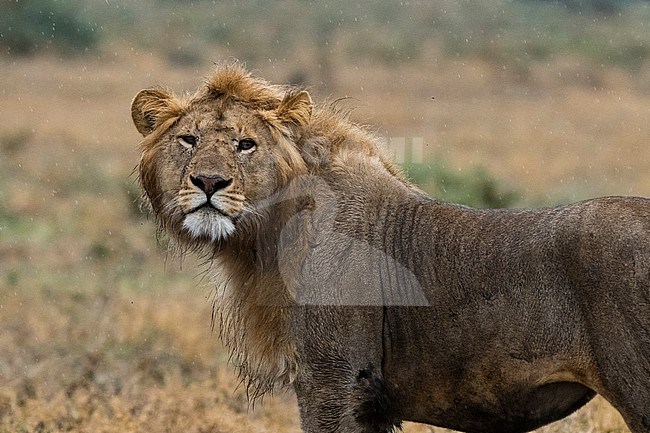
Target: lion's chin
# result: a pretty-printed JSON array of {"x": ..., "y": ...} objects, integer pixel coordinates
[{"x": 203, "y": 223}]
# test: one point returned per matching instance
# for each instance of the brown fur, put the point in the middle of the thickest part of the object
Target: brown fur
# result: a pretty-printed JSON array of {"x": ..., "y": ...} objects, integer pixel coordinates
[{"x": 379, "y": 304}]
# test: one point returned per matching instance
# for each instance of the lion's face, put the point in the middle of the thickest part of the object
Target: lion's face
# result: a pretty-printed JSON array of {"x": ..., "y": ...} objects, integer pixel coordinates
[
  {"x": 215, "y": 165},
  {"x": 207, "y": 162}
]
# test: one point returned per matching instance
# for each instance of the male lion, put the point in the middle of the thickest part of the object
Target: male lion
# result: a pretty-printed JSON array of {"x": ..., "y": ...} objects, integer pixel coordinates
[{"x": 377, "y": 303}]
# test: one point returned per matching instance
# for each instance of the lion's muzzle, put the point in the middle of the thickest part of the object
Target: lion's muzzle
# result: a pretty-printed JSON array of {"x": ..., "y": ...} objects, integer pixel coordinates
[{"x": 210, "y": 206}]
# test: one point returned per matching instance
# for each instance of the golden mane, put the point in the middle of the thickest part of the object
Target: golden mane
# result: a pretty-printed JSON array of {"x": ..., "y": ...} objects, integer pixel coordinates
[
  {"x": 326, "y": 123},
  {"x": 231, "y": 80}
]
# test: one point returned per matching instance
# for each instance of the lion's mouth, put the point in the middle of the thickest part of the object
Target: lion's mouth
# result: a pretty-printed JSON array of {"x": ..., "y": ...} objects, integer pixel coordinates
[
  {"x": 208, "y": 220},
  {"x": 211, "y": 216},
  {"x": 209, "y": 207}
]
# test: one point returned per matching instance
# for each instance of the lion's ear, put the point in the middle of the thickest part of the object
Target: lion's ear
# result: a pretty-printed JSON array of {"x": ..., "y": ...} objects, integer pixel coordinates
[
  {"x": 146, "y": 108},
  {"x": 295, "y": 109}
]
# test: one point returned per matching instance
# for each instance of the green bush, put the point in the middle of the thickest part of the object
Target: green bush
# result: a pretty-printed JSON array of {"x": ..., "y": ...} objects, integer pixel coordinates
[
  {"x": 30, "y": 26},
  {"x": 602, "y": 6},
  {"x": 513, "y": 35},
  {"x": 476, "y": 187}
]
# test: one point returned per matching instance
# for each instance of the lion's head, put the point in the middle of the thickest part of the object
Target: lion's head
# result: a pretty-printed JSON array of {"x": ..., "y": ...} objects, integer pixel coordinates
[{"x": 208, "y": 158}]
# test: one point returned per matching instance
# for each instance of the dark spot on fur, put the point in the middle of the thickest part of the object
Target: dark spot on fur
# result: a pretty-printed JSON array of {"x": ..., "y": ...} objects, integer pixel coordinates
[{"x": 373, "y": 403}]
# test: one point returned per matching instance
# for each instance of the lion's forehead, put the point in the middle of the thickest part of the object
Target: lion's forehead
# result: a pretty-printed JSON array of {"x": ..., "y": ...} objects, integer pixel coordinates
[{"x": 237, "y": 122}]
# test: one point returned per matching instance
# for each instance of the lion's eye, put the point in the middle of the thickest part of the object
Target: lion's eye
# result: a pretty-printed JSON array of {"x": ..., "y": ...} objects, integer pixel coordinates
[
  {"x": 245, "y": 144},
  {"x": 188, "y": 141}
]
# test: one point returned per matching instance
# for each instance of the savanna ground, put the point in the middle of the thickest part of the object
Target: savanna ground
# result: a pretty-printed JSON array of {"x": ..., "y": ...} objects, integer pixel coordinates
[{"x": 101, "y": 331}]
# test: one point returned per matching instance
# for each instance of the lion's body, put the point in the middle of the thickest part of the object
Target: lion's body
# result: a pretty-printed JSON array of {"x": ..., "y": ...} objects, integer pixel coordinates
[{"x": 378, "y": 303}]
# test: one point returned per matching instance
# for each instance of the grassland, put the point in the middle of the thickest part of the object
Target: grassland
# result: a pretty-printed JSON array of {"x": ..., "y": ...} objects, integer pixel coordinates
[{"x": 100, "y": 331}]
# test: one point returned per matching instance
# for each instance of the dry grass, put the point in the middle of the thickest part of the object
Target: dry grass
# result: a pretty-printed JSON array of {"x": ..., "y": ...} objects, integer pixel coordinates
[{"x": 100, "y": 333}]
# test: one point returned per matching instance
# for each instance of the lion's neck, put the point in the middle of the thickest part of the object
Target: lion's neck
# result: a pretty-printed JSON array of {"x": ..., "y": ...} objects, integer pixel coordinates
[
  {"x": 263, "y": 274},
  {"x": 378, "y": 207}
]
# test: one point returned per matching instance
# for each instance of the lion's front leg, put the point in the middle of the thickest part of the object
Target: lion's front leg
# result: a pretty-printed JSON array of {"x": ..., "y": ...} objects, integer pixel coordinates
[
  {"x": 335, "y": 398},
  {"x": 340, "y": 385}
]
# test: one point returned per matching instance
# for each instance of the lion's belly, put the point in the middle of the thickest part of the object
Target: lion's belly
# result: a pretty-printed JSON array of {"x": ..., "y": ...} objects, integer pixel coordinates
[
  {"x": 519, "y": 411},
  {"x": 468, "y": 376}
]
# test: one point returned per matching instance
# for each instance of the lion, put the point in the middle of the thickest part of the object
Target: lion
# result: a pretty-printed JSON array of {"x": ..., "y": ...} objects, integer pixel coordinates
[{"x": 377, "y": 304}]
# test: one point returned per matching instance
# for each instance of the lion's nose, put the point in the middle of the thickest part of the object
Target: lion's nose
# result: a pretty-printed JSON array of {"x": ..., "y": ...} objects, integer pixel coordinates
[{"x": 210, "y": 184}]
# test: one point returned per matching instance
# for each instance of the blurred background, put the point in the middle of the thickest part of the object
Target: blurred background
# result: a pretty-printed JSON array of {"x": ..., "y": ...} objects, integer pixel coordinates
[{"x": 493, "y": 103}]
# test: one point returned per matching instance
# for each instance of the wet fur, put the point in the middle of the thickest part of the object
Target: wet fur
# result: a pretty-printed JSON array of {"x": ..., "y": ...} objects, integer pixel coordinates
[{"x": 379, "y": 304}]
